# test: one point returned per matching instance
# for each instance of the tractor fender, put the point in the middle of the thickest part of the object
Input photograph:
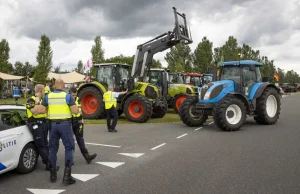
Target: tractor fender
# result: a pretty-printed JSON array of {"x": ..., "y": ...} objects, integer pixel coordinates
[
  {"x": 262, "y": 87},
  {"x": 243, "y": 98},
  {"x": 97, "y": 85}
]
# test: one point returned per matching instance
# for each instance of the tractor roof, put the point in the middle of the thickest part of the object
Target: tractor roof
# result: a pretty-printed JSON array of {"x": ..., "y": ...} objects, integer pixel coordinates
[
  {"x": 208, "y": 74},
  {"x": 193, "y": 74},
  {"x": 242, "y": 62},
  {"x": 109, "y": 64},
  {"x": 159, "y": 69}
]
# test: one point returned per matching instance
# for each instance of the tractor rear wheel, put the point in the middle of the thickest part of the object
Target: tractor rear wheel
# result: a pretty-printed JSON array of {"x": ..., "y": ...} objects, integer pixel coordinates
[
  {"x": 160, "y": 111},
  {"x": 188, "y": 115},
  {"x": 91, "y": 103},
  {"x": 177, "y": 101},
  {"x": 138, "y": 108},
  {"x": 230, "y": 113},
  {"x": 268, "y": 107}
]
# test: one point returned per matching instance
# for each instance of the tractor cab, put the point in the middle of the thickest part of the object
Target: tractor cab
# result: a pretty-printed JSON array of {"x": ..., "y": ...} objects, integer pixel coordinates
[
  {"x": 193, "y": 79},
  {"x": 207, "y": 78},
  {"x": 113, "y": 74},
  {"x": 176, "y": 78},
  {"x": 244, "y": 74}
]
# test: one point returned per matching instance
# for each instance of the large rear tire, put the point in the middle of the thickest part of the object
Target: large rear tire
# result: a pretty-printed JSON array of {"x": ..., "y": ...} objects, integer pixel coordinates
[
  {"x": 160, "y": 111},
  {"x": 177, "y": 101},
  {"x": 91, "y": 103},
  {"x": 187, "y": 113},
  {"x": 138, "y": 108},
  {"x": 268, "y": 107},
  {"x": 230, "y": 113}
]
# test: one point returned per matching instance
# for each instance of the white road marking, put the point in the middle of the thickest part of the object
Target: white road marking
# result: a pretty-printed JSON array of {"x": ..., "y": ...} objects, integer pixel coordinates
[
  {"x": 210, "y": 123},
  {"x": 198, "y": 128},
  {"x": 111, "y": 164},
  {"x": 45, "y": 191},
  {"x": 114, "y": 146},
  {"x": 181, "y": 136},
  {"x": 84, "y": 177},
  {"x": 158, "y": 146},
  {"x": 134, "y": 155}
]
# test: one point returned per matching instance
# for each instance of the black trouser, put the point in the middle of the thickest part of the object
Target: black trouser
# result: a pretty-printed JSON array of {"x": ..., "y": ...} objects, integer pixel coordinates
[
  {"x": 78, "y": 131},
  {"x": 39, "y": 132},
  {"x": 111, "y": 113}
]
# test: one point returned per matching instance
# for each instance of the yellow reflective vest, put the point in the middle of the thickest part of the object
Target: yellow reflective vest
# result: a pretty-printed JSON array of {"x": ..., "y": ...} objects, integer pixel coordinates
[
  {"x": 29, "y": 113},
  {"x": 109, "y": 100},
  {"x": 58, "y": 107},
  {"x": 79, "y": 107}
]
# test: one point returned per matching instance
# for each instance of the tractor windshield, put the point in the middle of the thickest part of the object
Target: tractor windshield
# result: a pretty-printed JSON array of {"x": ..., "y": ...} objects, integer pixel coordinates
[
  {"x": 231, "y": 73},
  {"x": 176, "y": 79},
  {"x": 155, "y": 78},
  {"x": 193, "y": 80},
  {"x": 105, "y": 76},
  {"x": 207, "y": 79}
]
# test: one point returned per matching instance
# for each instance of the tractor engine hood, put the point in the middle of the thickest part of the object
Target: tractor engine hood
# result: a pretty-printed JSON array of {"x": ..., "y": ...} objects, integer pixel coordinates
[
  {"x": 214, "y": 91},
  {"x": 183, "y": 88}
]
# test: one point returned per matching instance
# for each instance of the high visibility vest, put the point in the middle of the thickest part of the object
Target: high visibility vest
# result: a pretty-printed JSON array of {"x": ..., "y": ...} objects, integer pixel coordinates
[
  {"x": 29, "y": 113},
  {"x": 58, "y": 107},
  {"x": 47, "y": 90},
  {"x": 109, "y": 100},
  {"x": 79, "y": 107}
]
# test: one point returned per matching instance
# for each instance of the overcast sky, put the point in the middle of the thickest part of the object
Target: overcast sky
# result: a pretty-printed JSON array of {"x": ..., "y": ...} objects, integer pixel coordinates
[{"x": 271, "y": 26}]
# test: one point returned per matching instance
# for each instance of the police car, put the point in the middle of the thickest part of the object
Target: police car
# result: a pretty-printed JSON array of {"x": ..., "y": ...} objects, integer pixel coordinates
[{"x": 17, "y": 149}]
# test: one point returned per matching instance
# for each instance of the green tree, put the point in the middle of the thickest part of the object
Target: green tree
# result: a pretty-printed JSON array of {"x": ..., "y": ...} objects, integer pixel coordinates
[
  {"x": 97, "y": 54},
  {"x": 18, "y": 69},
  {"x": 79, "y": 68},
  {"x": 203, "y": 55},
  {"x": 44, "y": 60},
  {"x": 231, "y": 49},
  {"x": 281, "y": 75},
  {"x": 57, "y": 69},
  {"x": 28, "y": 69},
  {"x": 5, "y": 66},
  {"x": 248, "y": 53},
  {"x": 156, "y": 64},
  {"x": 121, "y": 59},
  {"x": 179, "y": 58}
]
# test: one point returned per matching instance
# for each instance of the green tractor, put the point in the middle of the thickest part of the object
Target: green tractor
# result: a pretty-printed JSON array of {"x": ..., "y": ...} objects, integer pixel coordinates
[
  {"x": 143, "y": 100},
  {"x": 177, "y": 92}
]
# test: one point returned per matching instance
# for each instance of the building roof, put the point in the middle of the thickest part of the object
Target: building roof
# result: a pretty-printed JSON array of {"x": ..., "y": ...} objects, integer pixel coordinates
[{"x": 5, "y": 76}]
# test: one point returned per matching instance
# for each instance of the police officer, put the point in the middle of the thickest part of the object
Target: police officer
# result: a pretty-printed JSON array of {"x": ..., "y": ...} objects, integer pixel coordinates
[
  {"x": 110, "y": 100},
  {"x": 16, "y": 93},
  {"x": 60, "y": 108},
  {"x": 77, "y": 124},
  {"x": 47, "y": 89},
  {"x": 37, "y": 125}
]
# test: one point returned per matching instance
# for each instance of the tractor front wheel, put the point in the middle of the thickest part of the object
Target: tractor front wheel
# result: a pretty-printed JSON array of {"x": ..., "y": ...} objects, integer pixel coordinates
[
  {"x": 91, "y": 103},
  {"x": 188, "y": 115},
  {"x": 138, "y": 108},
  {"x": 230, "y": 113},
  {"x": 268, "y": 107},
  {"x": 160, "y": 111},
  {"x": 177, "y": 101}
]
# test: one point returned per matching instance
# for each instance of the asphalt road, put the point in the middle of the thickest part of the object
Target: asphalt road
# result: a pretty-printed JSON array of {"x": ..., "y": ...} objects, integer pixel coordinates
[{"x": 256, "y": 159}]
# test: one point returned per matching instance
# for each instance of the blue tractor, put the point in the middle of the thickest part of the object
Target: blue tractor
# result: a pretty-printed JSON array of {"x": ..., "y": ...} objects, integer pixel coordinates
[{"x": 239, "y": 92}]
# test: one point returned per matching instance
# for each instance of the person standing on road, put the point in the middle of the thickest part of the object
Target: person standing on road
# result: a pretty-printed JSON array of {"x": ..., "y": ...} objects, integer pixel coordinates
[
  {"x": 110, "y": 100},
  {"x": 37, "y": 125},
  {"x": 60, "y": 106},
  {"x": 77, "y": 124}
]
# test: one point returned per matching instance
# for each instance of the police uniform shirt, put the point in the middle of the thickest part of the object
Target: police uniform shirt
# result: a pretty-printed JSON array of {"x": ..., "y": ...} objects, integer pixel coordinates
[{"x": 69, "y": 99}]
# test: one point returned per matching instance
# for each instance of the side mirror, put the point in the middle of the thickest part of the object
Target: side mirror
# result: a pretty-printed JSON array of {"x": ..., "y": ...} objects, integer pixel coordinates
[{"x": 265, "y": 79}]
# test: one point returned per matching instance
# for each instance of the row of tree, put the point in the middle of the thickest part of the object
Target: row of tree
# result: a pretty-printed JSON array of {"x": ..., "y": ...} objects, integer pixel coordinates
[{"x": 179, "y": 58}]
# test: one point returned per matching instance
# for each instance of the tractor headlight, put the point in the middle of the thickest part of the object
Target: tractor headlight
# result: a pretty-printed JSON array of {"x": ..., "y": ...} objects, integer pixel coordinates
[
  {"x": 207, "y": 95},
  {"x": 205, "y": 86}
]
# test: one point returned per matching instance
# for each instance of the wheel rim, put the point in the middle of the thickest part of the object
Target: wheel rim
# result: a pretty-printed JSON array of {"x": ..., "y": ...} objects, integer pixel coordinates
[
  {"x": 89, "y": 104},
  {"x": 136, "y": 109},
  {"x": 271, "y": 106},
  {"x": 233, "y": 114},
  {"x": 179, "y": 101},
  {"x": 192, "y": 112},
  {"x": 29, "y": 158}
]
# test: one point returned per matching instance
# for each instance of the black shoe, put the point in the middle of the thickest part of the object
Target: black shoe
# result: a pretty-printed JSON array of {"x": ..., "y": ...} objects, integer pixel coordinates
[
  {"x": 114, "y": 130},
  {"x": 68, "y": 179},
  {"x": 53, "y": 175},
  {"x": 89, "y": 158}
]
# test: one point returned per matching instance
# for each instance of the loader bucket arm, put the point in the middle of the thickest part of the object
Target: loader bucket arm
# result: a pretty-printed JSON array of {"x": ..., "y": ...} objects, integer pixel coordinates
[{"x": 146, "y": 51}]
